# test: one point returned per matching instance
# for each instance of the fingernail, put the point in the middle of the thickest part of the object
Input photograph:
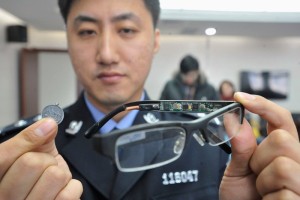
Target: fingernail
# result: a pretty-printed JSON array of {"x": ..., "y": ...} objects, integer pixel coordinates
[
  {"x": 246, "y": 96},
  {"x": 45, "y": 127}
]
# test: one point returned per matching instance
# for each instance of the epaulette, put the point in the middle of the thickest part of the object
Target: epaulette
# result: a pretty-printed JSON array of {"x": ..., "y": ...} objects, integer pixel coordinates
[{"x": 18, "y": 126}]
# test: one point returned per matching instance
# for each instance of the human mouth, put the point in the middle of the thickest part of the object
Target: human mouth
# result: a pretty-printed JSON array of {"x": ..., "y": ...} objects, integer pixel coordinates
[{"x": 110, "y": 78}]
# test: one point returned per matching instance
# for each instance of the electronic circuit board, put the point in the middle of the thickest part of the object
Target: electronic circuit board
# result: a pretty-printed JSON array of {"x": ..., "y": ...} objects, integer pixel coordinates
[{"x": 192, "y": 106}]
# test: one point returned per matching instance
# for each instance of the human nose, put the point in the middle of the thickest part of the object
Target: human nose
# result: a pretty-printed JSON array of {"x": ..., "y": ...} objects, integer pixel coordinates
[{"x": 107, "y": 51}]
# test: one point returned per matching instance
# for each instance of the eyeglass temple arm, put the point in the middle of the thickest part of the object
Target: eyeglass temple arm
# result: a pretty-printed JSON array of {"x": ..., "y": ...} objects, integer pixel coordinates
[
  {"x": 149, "y": 106},
  {"x": 225, "y": 148},
  {"x": 138, "y": 105},
  {"x": 94, "y": 129}
]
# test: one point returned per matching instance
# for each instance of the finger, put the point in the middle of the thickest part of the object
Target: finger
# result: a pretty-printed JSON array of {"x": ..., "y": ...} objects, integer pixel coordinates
[
  {"x": 276, "y": 116},
  {"x": 39, "y": 136},
  {"x": 279, "y": 143},
  {"x": 243, "y": 145},
  {"x": 238, "y": 174},
  {"x": 52, "y": 181},
  {"x": 61, "y": 163},
  {"x": 23, "y": 175},
  {"x": 284, "y": 169},
  {"x": 72, "y": 191},
  {"x": 283, "y": 194}
]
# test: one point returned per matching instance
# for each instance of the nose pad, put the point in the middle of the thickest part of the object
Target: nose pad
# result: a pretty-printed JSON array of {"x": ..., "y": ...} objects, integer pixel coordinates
[
  {"x": 179, "y": 145},
  {"x": 199, "y": 138}
]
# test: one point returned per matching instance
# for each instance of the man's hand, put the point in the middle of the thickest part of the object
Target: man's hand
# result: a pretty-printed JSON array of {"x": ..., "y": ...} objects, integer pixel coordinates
[
  {"x": 31, "y": 167},
  {"x": 270, "y": 170}
]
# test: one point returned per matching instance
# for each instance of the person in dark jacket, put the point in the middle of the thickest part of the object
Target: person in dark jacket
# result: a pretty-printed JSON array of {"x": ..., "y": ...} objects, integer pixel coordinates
[
  {"x": 189, "y": 83},
  {"x": 111, "y": 45}
]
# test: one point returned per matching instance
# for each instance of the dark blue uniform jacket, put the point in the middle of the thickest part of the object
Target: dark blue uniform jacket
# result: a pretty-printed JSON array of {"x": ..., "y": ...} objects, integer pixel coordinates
[{"x": 195, "y": 175}]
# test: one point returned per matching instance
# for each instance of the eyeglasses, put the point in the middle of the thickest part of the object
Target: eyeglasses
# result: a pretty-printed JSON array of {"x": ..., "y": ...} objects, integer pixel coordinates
[{"x": 147, "y": 146}]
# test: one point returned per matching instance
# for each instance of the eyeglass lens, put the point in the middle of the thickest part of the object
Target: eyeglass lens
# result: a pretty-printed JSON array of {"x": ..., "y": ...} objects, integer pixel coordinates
[
  {"x": 147, "y": 149},
  {"x": 150, "y": 148},
  {"x": 224, "y": 127}
]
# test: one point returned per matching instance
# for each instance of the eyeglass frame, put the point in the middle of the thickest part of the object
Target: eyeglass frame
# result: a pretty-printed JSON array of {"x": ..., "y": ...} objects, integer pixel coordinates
[
  {"x": 105, "y": 143},
  {"x": 150, "y": 105}
]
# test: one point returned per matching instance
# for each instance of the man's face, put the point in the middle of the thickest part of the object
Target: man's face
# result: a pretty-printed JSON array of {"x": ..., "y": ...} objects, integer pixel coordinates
[
  {"x": 191, "y": 77},
  {"x": 111, "y": 45}
]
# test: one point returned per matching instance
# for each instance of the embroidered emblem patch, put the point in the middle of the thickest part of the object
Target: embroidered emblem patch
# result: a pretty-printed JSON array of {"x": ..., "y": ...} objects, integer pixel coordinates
[
  {"x": 74, "y": 127},
  {"x": 150, "y": 118}
]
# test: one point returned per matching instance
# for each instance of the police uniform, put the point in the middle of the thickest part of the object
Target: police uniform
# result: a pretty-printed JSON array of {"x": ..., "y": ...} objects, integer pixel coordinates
[{"x": 195, "y": 175}]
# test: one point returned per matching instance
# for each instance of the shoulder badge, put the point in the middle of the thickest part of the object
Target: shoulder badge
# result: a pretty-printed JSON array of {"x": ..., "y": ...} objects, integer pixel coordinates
[
  {"x": 19, "y": 125},
  {"x": 150, "y": 118},
  {"x": 74, "y": 127}
]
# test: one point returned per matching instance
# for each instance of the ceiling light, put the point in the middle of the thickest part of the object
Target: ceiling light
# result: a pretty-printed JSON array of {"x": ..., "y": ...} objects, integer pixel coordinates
[{"x": 210, "y": 31}]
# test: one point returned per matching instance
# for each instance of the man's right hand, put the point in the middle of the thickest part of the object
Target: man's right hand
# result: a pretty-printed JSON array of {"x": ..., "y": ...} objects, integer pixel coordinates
[{"x": 32, "y": 168}]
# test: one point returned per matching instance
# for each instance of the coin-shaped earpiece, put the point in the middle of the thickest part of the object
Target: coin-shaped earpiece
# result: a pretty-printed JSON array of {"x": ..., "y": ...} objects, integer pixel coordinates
[{"x": 53, "y": 111}]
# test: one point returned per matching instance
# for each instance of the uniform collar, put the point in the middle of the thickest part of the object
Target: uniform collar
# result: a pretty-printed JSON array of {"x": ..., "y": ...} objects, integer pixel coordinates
[{"x": 126, "y": 122}]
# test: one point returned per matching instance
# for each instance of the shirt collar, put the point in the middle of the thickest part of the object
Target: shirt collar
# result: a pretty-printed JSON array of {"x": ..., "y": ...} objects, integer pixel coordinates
[{"x": 125, "y": 122}]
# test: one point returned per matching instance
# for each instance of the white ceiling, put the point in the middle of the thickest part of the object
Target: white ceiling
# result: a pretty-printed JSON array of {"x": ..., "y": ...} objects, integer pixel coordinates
[{"x": 44, "y": 15}]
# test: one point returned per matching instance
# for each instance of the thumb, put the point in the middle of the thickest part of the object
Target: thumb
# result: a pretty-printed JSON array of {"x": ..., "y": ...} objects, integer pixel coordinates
[
  {"x": 238, "y": 173},
  {"x": 243, "y": 145},
  {"x": 37, "y": 137},
  {"x": 276, "y": 116}
]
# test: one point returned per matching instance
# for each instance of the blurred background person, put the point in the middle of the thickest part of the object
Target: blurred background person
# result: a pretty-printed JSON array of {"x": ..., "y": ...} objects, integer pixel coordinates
[
  {"x": 226, "y": 90},
  {"x": 189, "y": 83}
]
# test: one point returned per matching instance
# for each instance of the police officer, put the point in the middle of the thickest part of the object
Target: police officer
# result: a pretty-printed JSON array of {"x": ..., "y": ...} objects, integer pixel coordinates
[
  {"x": 111, "y": 51},
  {"x": 111, "y": 45}
]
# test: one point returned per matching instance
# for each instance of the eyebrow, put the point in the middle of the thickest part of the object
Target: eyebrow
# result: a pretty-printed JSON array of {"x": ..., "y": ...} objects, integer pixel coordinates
[
  {"x": 126, "y": 16},
  {"x": 122, "y": 17},
  {"x": 83, "y": 18}
]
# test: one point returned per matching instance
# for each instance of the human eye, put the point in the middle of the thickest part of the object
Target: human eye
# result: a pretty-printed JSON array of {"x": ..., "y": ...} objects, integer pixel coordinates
[
  {"x": 86, "y": 32},
  {"x": 127, "y": 32}
]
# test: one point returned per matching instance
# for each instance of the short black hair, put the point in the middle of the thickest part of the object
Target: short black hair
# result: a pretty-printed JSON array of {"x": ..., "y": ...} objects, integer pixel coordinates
[
  {"x": 189, "y": 63},
  {"x": 152, "y": 5}
]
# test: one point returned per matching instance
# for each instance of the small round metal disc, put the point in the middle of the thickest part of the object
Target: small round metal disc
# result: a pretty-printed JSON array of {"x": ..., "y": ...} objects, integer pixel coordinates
[{"x": 53, "y": 111}]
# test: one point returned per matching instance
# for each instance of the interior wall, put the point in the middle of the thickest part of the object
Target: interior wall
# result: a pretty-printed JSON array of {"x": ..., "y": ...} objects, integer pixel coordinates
[
  {"x": 57, "y": 80},
  {"x": 225, "y": 57},
  {"x": 9, "y": 95},
  {"x": 220, "y": 57}
]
